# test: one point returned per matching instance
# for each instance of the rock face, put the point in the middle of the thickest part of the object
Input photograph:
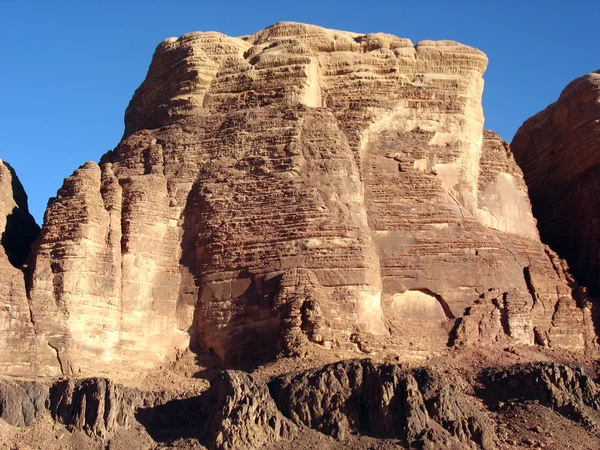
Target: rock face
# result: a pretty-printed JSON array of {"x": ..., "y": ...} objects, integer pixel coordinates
[
  {"x": 568, "y": 391},
  {"x": 395, "y": 407},
  {"x": 559, "y": 152},
  {"x": 384, "y": 401},
  {"x": 22, "y": 402},
  {"x": 299, "y": 185},
  {"x": 19, "y": 347},
  {"x": 242, "y": 414},
  {"x": 95, "y": 405}
]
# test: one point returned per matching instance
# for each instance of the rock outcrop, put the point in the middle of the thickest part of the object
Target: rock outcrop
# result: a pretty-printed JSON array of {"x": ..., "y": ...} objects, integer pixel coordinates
[
  {"x": 21, "y": 352},
  {"x": 559, "y": 152},
  {"x": 22, "y": 403},
  {"x": 241, "y": 414},
  {"x": 96, "y": 406},
  {"x": 296, "y": 186},
  {"x": 568, "y": 391},
  {"x": 336, "y": 405},
  {"x": 385, "y": 401}
]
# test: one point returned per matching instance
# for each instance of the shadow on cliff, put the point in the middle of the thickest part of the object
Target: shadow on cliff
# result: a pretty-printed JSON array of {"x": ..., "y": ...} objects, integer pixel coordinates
[
  {"x": 251, "y": 326},
  {"x": 21, "y": 230},
  {"x": 174, "y": 420}
]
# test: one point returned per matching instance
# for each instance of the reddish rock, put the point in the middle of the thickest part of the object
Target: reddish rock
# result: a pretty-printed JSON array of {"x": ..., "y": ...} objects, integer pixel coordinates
[
  {"x": 296, "y": 187},
  {"x": 559, "y": 152}
]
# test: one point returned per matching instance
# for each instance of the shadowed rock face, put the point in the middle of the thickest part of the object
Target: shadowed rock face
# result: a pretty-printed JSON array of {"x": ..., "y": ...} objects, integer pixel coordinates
[
  {"x": 21, "y": 353},
  {"x": 559, "y": 152},
  {"x": 19, "y": 227},
  {"x": 297, "y": 185}
]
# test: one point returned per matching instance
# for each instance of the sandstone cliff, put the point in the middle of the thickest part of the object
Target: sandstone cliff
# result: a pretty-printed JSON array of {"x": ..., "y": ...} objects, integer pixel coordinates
[
  {"x": 296, "y": 187},
  {"x": 19, "y": 347},
  {"x": 559, "y": 152}
]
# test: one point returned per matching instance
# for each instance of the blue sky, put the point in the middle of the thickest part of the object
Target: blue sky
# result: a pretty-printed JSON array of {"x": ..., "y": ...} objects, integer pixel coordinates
[{"x": 69, "y": 68}]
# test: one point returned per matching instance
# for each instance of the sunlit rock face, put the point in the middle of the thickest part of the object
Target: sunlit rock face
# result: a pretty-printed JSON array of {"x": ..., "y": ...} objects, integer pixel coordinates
[
  {"x": 297, "y": 186},
  {"x": 559, "y": 151}
]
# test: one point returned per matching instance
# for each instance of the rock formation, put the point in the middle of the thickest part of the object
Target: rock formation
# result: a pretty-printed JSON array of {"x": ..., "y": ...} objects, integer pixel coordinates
[
  {"x": 559, "y": 152},
  {"x": 296, "y": 186},
  {"x": 395, "y": 407},
  {"x": 384, "y": 401},
  {"x": 19, "y": 346},
  {"x": 316, "y": 194}
]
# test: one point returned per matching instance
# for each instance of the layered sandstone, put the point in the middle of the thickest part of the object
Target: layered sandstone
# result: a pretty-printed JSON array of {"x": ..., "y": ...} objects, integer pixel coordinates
[
  {"x": 299, "y": 186},
  {"x": 559, "y": 152},
  {"x": 19, "y": 347}
]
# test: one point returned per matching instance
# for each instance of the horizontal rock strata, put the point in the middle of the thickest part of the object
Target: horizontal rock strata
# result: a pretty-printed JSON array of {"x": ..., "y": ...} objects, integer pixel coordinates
[
  {"x": 558, "y": 150},
  {"x": 296, "y": 186}
]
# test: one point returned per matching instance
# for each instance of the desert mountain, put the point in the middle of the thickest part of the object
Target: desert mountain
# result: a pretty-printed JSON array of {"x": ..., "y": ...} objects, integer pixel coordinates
[{"x": 302, "y": 192}]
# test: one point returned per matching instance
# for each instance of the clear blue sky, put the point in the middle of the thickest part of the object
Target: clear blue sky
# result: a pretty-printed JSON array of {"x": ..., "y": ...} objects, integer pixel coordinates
[{"x": 69, "y": 68}]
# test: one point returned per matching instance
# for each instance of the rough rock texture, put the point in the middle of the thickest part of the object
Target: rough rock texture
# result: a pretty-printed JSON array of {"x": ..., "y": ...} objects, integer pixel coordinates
[
  {"x": 568, "y": 391},
  {"x": 296, "y": 185},
  {"x": 95, "y": 405},
  {"x": 361, "y": 403},
  {"x": 383, "y": 401},
  {"x": 22, "y": 402},
  {"x": 19, "y": 348},
  {"x": 559, "y": 152},
  {"x": 242, "y": 414}
]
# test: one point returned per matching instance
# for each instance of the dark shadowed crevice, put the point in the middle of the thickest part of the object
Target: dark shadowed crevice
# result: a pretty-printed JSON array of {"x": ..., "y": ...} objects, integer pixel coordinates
[
  {"x": 529, "y": 283},
  {"x": 441, "y": 301},
  {"x": 21, "y": 229}
]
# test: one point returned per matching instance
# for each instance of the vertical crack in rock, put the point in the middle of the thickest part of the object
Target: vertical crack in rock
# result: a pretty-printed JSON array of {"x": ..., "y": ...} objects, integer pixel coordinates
[{"x": 528, "y": 282}]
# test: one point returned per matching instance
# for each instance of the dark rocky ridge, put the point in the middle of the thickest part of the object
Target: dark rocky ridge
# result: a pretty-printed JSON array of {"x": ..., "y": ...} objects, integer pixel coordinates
[{"x": 417, "y": 408}]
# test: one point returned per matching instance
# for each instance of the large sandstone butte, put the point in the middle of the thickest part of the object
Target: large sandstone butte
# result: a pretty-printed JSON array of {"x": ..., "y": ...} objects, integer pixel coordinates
[
  {"x": 296, "y": 188},
  {"x": 559, "y": 151}
]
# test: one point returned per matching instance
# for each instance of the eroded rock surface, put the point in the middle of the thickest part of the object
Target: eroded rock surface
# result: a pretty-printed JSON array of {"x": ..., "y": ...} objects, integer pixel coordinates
[
  {"x": 558, "y": 150},
  {"x": 353, "y": 404},
  {"x": 21, "y": 352},
  {"x": 97, "y": 406},
  {"x": 298, "y": 185},
  {"x": 22, "y": 402},
  {"x": 568, "y": 391},
  {"x": 385, "y": 401},
  {"x": 242, "y": 414}
]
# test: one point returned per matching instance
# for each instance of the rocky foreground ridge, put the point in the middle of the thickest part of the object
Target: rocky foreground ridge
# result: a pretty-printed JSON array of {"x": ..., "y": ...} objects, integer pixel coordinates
[
  {"x": 296, "y": 197},
  {"x": 355, "y": 404}
]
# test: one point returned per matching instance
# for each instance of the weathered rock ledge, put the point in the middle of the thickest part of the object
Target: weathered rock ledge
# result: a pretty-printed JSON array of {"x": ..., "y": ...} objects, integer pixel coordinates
[{"x": 413, "y": 408}]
